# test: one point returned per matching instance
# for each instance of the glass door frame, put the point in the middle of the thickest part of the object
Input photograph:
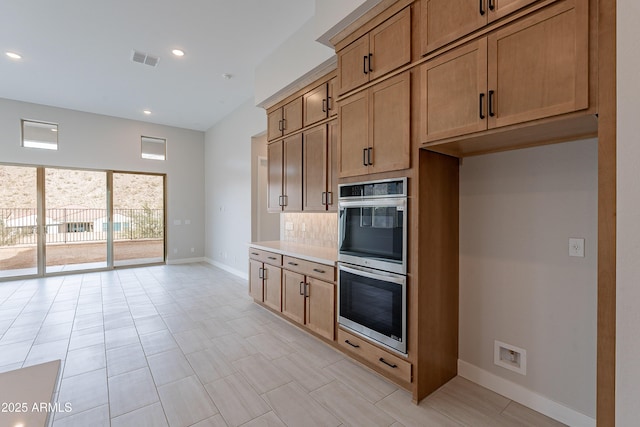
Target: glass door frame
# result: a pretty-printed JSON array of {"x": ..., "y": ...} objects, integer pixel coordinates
[{"x": 41, "y": 225}]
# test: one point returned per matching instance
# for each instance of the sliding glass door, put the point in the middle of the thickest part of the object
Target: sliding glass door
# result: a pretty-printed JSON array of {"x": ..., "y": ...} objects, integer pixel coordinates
[
  {"x": 18, "y": 221},
  {"x": 55, "y": 220}
]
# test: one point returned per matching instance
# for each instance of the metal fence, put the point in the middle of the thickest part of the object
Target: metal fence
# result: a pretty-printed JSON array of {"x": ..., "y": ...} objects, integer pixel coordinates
[{"x": 18, "y": 226}]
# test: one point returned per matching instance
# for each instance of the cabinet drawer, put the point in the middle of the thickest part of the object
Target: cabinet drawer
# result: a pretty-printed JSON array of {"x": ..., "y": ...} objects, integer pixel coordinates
[
  {"x": 308, "y": 268},
  {"x": 265, "y": 256},
  {"x": 393, "y": 365}
]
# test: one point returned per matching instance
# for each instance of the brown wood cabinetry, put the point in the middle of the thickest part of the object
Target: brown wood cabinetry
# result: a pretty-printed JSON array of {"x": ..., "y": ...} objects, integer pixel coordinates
[
  {"x": 265, "y": 278},
  {"x": 375, "y": 128},
  {"x": 284, "y": 120},
  {"x": 308, "y": 295},
  {"x": 319, "y": 191},
  {"x": 443, "y": 21},
  {"x": 381, "y": 50},
  {"x": 319, "y": 103},
  {"x": 284, "y": 170},
  {"x": 534, "y": 68}
]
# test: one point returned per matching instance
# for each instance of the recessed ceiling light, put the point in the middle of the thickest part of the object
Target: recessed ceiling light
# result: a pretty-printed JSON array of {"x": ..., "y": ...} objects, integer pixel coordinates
[
  {"x": 227, "y": 76},
  {"x": 147, "y": 112},
  {"x": 13, "y": 55},
  {"x": 178, "y": 52}
]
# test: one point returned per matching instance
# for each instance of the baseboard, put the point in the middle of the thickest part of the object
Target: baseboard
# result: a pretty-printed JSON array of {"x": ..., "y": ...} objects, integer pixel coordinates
[
  {"x": 524, "y": 396},
  {"x": 185, "y": 260},
  {"x": 242, "y": 274}
]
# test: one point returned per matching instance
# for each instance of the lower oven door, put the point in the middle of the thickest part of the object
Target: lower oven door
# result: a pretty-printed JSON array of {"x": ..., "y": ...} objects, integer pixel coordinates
[{"x": 373, "y": 304}]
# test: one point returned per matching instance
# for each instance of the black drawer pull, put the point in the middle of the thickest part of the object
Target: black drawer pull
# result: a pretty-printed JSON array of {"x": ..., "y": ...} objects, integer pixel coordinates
[
  {"x": 482, "y": 116},
  {"x": 491, "y": 97},
  {"x": 255, "y": 253},
  {"x": 292, "y": 263},
  {"x": 317, "y": 270},
  {"x": 352, "y": 344},
  {"x": 482, "y": 7},
  {"x": 272, "y": 257},
  {"x": 391, "y": 365}
]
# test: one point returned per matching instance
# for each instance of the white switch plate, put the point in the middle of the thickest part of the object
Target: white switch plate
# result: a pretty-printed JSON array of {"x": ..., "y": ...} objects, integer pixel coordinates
[{"x": 576, "y": 247}]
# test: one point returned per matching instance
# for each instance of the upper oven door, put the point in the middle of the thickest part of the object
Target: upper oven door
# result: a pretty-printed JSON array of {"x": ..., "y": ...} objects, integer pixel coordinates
[{"x": 373, "y": 233}]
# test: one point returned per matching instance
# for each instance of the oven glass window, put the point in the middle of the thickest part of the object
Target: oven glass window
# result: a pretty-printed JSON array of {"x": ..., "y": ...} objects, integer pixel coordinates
[
  {"x": 372, "y": 232},
  {"x": 372, "y": 303}
]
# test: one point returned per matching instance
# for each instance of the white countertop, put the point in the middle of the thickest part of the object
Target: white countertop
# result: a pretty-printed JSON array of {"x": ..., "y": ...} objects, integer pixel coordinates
[{"x": 322, "y": 255}]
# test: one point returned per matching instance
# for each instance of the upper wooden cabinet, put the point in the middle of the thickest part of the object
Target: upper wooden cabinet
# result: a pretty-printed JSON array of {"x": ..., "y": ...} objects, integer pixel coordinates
[
  {"x": 443, "y": 21},
  {"x": 319, "y": 103},
  {"x": 381, "y": 50},
  {"x": 319, "y": 191},
  {"x": 374, "y": 128},
  {"x": 534, "y": 68},
  {"x": 284, "y": 120},
  {"x": 284, "y": 170}
]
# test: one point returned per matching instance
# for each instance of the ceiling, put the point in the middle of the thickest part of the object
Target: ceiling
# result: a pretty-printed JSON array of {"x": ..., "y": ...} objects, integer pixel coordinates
[{"x": 76, "y": 54}]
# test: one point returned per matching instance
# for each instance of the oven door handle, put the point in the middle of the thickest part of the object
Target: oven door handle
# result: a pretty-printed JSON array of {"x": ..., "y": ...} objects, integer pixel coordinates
[
  {"x": 373, "y": 274},
  {"x": 398, "y": 202}
]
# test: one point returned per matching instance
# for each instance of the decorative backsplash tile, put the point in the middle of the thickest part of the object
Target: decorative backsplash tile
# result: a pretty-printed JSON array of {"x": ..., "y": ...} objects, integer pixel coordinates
[{"x": 317, "y": 229}]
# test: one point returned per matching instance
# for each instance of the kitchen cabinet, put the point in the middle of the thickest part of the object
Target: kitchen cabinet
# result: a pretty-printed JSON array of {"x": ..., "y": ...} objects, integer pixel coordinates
[
  {"x": 443, "y": 21},
  {"x": 265, "y": 278},
  {"x": 308, "y": 297},
  {"x": 284, "y": 120},
  {"x": 534, "y": 68},
  {"x": 319, "y": 103},
  {"x": 284, "y": 170},
  {"x": 381, "y": 50},
  {"x": 320, "y": 182},
  {"x": 374, "y": 128}
]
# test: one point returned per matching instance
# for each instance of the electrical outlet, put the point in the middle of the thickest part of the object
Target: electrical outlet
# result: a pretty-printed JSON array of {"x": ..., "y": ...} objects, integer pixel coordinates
[
  {"x": 510, "y": 357},
  {"x": 576, "y": 247}
]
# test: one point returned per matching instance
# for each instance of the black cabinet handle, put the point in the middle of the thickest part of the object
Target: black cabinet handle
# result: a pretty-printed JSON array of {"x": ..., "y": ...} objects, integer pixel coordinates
[
  {"x": 306, "y": 290},
  {"x": 260, "y": 273},
  {"x": 330, "y": 198},
  {"x": 482, "y": 7},
  {"x": 391, "y": 365},
  {"x": 292, "y": 263},
  {"x": 492, "y": 5},
  {"x": 369, "y": 162},
  {"x": 370, "y": 67},
  {"x": 365, "y": 69},
  {"x": 364, "y": 157},
  {"x": 272, "y": 257},
  {"x": 482, "y": 116},
  {"x": 324, "y": 105},
  {"x": 280, "y": 125},
  {"x": 301, "y": 292},
  {"x": 352, "y": 344},
  {"x": 329, "y": 107},
  {"x": 317, "y": 270},
  {"x": 255, "y": 253},
  {"x": 491, "y": 112},
  {"x": 324, "y": 198},
  {"x": 284, "y": 124}
]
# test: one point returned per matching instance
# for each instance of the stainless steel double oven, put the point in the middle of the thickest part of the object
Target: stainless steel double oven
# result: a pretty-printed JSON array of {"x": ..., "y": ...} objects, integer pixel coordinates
[{"x": 372, "y": 255}]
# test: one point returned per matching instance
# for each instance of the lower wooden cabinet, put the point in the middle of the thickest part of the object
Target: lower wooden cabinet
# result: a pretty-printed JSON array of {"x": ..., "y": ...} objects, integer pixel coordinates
[
  {"x": 394, "y": 366},
  {"x": 265, "y": 280}
]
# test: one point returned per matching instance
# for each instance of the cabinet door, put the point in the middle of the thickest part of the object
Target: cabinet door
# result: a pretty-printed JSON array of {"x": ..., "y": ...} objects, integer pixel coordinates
[
  {"x": 320, "y": 308},
  {"x": 353, "y": 69},
  {"x": 501, "y": 8},
  {"x": 275, "y": 177},
  {"x": 293, "y": 173},
  {"x": 390, "y": 44},
  {"x": 314, "y": 166},
  {"x": 255, "y": 279},
  {"x": 331, "y": 96},
  {"x": 453, "y": 93},
  {"x": 315, "y": 105},
  {"x": 274, "y": 124},
  {"x": 272, "y": 286},
  {"x": 353, "y": 121},
  {"x": 443, "y": 21},
  {"x": 390, "y": 123},
  {"x": 292, "y": 116},
  {"x": 538, "y": 67},
  {"x": 293, "y": 295},
  {"x": 332, "y": 167}
]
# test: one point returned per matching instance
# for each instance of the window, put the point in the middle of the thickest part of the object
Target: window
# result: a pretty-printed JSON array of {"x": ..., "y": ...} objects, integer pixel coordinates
[
  {"x": 153, "y": 148},
  {"x": 39, "y": 135}
]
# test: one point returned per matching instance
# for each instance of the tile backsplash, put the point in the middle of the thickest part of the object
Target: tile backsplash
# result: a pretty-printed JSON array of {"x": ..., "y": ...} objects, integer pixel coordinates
[{"x": 317, "y": 229}]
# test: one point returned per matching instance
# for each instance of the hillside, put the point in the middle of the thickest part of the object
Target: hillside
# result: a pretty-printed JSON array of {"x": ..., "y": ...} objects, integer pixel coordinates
[{"x": 65, "y": 187}]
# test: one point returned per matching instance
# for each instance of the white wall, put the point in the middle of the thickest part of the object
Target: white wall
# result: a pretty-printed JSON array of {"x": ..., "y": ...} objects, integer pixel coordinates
[
  {"x": 227, "y": 177},
  {"x": 332, "y": 16},
  {"x": 94, "y": 141},
  {"x": 628, "y": 219},
  {"x": 518, "y": 284}
]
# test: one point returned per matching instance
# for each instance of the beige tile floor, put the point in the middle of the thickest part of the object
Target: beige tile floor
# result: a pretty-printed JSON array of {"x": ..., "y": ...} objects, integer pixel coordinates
[{"x": 183, "y": 345}]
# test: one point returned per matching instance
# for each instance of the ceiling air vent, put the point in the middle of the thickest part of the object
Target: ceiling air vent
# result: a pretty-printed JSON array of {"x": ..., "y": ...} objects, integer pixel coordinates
[{"x": 144, "y": 58}]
